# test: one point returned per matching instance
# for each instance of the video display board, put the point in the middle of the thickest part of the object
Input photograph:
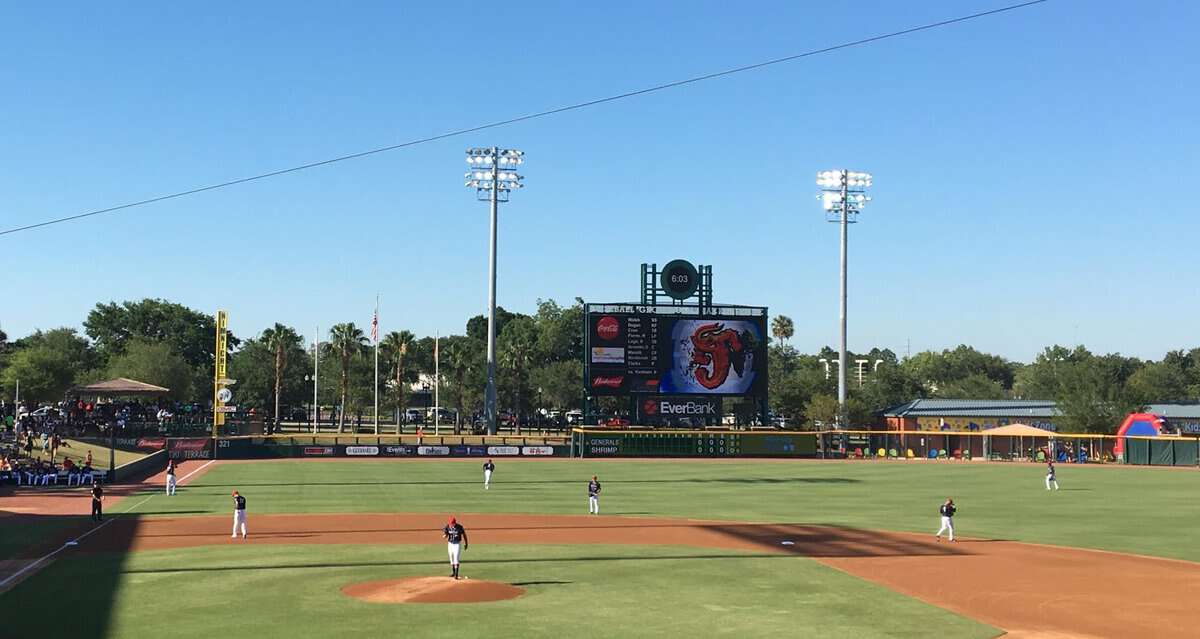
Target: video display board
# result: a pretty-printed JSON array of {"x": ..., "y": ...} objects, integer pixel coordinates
[{"x": 658, "y": 354}]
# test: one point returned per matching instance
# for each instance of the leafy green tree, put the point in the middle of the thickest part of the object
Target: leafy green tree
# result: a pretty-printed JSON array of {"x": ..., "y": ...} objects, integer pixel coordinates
[
  {"x": 1164, "y": 381},
  {"x": 1092, "y": 395},
  {"x": 347, "y": 341},
  {"x": 189, "y": 333},
  {"x": 973, "y": 386},
  {"x": 821, "y": 410},
  {"x": 154, "y": 363},
  {"x": 561, "y": 383},
  {"x": 47, "y": 364}
]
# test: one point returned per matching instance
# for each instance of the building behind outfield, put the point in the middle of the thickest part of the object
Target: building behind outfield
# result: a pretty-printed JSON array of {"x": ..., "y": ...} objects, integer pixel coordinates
[{"x": 977, "y": 415}]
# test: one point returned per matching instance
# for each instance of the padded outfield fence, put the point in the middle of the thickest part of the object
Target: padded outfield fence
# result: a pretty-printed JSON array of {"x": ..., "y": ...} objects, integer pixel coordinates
[{"x": 907, "y": 445}]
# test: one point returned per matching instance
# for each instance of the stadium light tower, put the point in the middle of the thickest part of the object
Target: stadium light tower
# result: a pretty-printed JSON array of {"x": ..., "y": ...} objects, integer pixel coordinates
[
  {"x": 493, "y": 175},
  {"x": 843, "y": 196}
]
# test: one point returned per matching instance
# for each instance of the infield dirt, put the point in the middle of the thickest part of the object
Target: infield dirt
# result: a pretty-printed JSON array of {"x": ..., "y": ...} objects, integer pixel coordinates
[{"x": 1029, "y": 589}]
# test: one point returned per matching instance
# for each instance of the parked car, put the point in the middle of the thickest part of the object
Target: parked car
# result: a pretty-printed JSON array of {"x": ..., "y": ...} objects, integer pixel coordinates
[
  {"x": 574, "y": 417},
  {"x": 414, "y": 416}
]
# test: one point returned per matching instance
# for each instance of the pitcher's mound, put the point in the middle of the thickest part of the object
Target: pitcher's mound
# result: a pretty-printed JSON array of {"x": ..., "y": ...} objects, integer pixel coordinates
[{"x": 432, "y": 590}]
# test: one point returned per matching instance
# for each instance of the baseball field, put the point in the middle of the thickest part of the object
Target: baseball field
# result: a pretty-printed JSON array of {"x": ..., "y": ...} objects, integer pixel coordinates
[{"x": 737, "y": 548}]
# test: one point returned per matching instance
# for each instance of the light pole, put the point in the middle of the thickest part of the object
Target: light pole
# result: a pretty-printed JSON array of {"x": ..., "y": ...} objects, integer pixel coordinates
[
  {"x": 493, "y": 174},
  {"x": 843, "y": 195}
]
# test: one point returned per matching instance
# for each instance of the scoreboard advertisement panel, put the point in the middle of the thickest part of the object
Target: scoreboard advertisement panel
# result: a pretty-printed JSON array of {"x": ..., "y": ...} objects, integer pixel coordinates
[{"x": 677, "y": 355}]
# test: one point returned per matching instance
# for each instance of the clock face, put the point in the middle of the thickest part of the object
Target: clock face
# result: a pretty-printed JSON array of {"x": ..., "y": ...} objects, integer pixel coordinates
[{"x": 679, "y": 279}]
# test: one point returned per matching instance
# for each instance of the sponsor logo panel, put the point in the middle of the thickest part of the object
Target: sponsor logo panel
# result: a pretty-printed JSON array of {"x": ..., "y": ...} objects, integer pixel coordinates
[
  {"x": 400, "y": 451},
  {"x": 537, "y": 450},
  {"x": 436, "y": 451},
  {"x": 604, "y": 446},
  {"x": 607, "y": 381},
  {"x": 608, "y": 355},
  {"x": 502, "y": 451},
  {"x": 459, "y": 451},
  {"x": 362, "y": 451},
  {"x": 608, "y": 328},
  {"x": 152, "y": 443},
  {"x": 319, "y": 451},
  {"x": 478, "y": 451}
]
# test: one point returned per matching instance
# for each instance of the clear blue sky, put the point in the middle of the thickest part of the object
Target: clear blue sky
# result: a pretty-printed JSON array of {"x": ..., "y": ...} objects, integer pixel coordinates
[{"x": 1032, "y": 170}]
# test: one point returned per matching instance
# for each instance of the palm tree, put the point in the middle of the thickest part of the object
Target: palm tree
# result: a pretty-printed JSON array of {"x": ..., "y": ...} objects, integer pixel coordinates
[
  {"x": 458, "y": 361},
  {"x": 517, "y": 356},
  {"x": 280, "y": 339},
  {"x": 396, "y": 345},
  {"x": 783, "y": 328},
  {"x": 346, "y": 340}
]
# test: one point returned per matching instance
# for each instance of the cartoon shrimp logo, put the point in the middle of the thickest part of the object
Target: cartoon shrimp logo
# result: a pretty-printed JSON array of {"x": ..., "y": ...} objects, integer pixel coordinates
[{"x": 714, "y": 349}]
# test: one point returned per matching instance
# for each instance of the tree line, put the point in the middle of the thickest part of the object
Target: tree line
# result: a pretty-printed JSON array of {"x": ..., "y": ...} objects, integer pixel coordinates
[{"x": 539, "y": 365}]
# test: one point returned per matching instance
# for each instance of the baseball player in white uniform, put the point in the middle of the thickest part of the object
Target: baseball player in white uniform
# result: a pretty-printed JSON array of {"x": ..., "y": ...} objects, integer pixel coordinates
[
  {"x": 487, "y": 473},
  {"x": 239, "y": 515},
  {"x": 171, "y": 477},
  {"x": 594, "y": 496},
  {"x": 947, "y": 511},
  {"x": 1050, "y": 476},
  {"x": 456, "y": 542}
]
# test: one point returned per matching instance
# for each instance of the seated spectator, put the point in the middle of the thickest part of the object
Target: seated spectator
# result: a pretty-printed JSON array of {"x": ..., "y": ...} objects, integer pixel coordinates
[{"x": 85, "y": 473}]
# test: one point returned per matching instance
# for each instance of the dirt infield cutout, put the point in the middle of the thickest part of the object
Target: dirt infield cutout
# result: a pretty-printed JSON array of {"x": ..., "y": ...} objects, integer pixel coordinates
[{"x": 432, "y": 590}]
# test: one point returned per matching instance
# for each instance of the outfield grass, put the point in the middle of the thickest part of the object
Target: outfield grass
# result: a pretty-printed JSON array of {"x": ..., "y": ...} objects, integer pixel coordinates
[
  {"x": 1139, "y": 510},
  {"x": 572, "y": 591}
]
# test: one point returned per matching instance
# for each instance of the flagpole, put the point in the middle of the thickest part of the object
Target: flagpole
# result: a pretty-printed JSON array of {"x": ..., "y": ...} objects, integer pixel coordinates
[
  {"x": 375, "y": 334},
  {"x": 316, "y": 369},
  {"x": 437, "y": 381}
]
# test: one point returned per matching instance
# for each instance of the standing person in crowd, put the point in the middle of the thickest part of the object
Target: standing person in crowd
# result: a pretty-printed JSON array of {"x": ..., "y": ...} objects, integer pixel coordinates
[
  {"x": 170, "y": 477},
  {"x": 239, "y": 515},
  {"x": 97, "y": 501},
  {"x": 947, "y": 511},
  {"x": 88, "y": 461},
  {"x": 594, "y": 496},
  {"x": 487, "y": 473}
]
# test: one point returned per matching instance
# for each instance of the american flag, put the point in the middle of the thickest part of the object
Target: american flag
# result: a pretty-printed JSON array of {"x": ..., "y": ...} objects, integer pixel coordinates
[{"x": 375, "y": 326}]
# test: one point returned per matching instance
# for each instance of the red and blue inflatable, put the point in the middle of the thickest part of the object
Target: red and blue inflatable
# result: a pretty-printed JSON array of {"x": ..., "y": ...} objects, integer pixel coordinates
[{"x": 1137, "y": 424}]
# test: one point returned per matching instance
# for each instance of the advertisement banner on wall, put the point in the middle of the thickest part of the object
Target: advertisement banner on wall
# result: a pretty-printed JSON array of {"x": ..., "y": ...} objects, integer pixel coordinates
[
  {"x": 399, "y": 451},
  {"x": 190, "y": 448},
  {"x": 502, "y": 451},
  {"x": 435, "y": 451},
  {"x": 600, "y": 446},
  {"x": 477, "y": 451},
  {"x": 318, "y": 451},
  {"x": 362, "y": 451},
  {"x": 152, "y": 443},
  {"x": 537, "y": 451}
]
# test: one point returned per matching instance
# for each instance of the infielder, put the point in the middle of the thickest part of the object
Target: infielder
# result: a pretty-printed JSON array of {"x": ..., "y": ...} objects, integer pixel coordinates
[
  {"x": 594, "y": 496},
  {"x": 455, "y": 536},
  {"x": 1050, "y": 476},
  {"x": 171, "y": 477},
  {"x": 947, "y": 511},
  {"x": 97, "y": 501},
  {"x": 239, "y": 515},
  {"x": 487, "y": 473}
]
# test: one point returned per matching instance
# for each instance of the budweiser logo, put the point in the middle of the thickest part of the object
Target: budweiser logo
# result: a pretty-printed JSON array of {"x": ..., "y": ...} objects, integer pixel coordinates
[
  {"x": 650, "y": 407},
  {"x": 608, "y": 328},
  {"x": 607, "y": 382}
]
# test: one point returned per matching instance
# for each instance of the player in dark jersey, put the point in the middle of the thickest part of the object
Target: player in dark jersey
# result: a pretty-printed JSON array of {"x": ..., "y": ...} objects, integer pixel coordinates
[
  {"x": 239, "y": 515},
  {"x": 487, "y": 473},
  {"x": 1050, "y": 479},
  {"x": 456, "y": 542},
  {"x": 947, "y": 511},
  {"x": 594, "y": 496},
  {"x": 97, "y": 501},
  {"x": 171, "y": 477}
]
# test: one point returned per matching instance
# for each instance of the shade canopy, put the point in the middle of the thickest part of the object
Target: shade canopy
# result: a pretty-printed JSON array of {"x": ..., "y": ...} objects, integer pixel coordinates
[
  {"x": 1018, "y": 430},
  {"x": 120, "y": 387}
]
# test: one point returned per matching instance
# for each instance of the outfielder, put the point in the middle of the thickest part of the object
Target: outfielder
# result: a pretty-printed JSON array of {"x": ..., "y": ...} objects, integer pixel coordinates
[
  {"x": 947, "y": 511},
  {"x": 171, "y": 477},
  {"x": 594, "y": 496},
  {"x": 487, "y": 473},
  {"x": 239, "y": 515},
  {"x": 1050, "y": 476},
  {"x": 455, "y": 536}
]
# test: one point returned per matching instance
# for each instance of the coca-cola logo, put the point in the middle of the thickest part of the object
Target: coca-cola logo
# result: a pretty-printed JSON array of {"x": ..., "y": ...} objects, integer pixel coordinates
[
  {"x": 601, "y": 381},
  {"x": 650, "y": 407},
  {"x": 608, "y": 328}
]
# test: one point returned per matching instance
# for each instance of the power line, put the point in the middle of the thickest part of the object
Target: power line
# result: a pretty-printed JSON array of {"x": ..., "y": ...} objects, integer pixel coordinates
[{"x": 531, "y": 116}]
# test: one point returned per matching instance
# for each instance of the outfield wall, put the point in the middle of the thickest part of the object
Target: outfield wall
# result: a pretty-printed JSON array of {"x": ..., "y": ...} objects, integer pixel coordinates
[{"x": 366, "y": 447}]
